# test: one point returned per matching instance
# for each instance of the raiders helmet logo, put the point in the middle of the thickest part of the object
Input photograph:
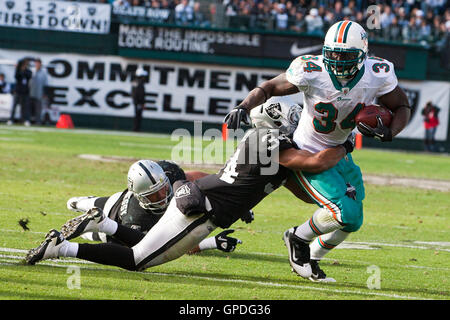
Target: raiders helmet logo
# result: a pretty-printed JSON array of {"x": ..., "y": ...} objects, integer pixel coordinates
[
  {"x": 271, "y": 110},
  {"x": 182, "y": 191}
]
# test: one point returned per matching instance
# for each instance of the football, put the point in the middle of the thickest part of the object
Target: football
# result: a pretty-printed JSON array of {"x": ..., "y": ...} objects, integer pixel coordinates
[{"x": 368, "y": 115}]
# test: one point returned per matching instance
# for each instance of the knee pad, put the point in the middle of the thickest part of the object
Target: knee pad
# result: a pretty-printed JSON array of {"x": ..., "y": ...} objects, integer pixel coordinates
[{"x": 323, "y": 222}]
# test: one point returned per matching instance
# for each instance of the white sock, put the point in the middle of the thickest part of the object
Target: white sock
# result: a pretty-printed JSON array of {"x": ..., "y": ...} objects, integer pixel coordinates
[
  {"x": 68, "y": 249},
  {"x": 305, "y": 232},
  {"x": 325, "y": 243},
  {"x": 208, "y": 243},
  {"x": 86, "y": 204},
  {"x": 108, "y": 226}
]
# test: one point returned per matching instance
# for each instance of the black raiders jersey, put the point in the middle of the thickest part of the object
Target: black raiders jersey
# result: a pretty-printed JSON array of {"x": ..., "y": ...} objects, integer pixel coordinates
[
  {"x": 249, "y": 176},
  {"x": 127, "y": 210}
]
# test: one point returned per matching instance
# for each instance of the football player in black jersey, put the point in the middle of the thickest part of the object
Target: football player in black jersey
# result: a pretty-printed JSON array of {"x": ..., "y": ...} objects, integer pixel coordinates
[
  {"x": 259, "y": 165},
  {"x": 141, "y": 205}
]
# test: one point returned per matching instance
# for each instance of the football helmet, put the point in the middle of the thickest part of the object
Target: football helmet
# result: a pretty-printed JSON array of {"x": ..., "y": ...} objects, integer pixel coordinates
[
  {"x": 150, "y": 185},
  {"x": 281, "y": 113},
  {"x": 345, "y": 48}
]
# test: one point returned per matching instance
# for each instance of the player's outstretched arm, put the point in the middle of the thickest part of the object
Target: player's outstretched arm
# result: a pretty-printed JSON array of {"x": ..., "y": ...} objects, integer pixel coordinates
[
  {"x": 278, "y": 86},
  {"x": 295, "y": 159},
  {"x": 397, "y": 102}
]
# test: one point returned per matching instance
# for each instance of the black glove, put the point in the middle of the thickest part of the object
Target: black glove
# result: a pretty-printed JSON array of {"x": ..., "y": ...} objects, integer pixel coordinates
[
  {"x": 235, "y": 117},
  {"x": 381, "y": 132},
  {"x": 248, "y": 217},
  {"x": 225, "y": 243},
  {"x": 349, "y": 144}
]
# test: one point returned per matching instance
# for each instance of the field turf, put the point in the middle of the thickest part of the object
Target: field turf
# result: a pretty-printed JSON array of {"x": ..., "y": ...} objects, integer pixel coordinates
[{"x": 405, "y": 238}]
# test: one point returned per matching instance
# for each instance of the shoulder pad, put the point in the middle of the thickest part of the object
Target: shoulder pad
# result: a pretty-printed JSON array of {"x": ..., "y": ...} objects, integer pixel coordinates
[{"x": 380, "y": 67}]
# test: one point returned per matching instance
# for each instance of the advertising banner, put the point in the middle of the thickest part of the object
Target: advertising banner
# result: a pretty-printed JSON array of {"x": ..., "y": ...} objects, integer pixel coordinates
[
  {"x": 101, "y": 85},
  {"x": 243, "y": 44},
  {"x": 56, "y": 15}
]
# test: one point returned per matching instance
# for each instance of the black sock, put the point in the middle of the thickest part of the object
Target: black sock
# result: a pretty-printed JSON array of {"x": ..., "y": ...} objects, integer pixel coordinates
[
  {"x": 108, "y": 253},
  {"x": 130, "y": 237}
]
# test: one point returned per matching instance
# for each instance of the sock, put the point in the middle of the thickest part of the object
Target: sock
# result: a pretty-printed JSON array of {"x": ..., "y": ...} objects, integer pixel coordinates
[
  {"x": 325, "y": 243},
  {"x": 108, "y": 226},
  {"x": 320, "y": 223},
  {"x": 208, "y": 243},
  {"x": 68, "y": 249},
  {"x": 86, "y": 204},
  {"x": 108, "y": 253},
  {"x": 130, "y": 237}
]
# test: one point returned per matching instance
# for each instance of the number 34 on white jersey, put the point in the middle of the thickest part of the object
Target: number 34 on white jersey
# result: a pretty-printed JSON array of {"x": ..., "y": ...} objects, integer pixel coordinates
[{"x": 330, "y": 107}]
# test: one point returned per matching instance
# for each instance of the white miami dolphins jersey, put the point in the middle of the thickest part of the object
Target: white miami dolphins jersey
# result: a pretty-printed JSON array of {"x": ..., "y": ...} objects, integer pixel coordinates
[{"x": 330, "y": 108}]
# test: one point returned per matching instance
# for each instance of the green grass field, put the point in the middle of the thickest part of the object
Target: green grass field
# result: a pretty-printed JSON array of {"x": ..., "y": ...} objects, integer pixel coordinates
[{"x": 405, "y": 235}]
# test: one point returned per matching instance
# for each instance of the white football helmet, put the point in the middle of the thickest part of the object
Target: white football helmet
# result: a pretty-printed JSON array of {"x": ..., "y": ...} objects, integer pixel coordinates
[
  {"x": 150, "y": 185},
  {"x": 281, "y": 113},
  {"x": 345, "y": 48}
]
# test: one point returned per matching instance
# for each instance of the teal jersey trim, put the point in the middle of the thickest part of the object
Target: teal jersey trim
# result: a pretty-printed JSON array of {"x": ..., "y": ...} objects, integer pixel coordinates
[{"x": 349, "y": 85}]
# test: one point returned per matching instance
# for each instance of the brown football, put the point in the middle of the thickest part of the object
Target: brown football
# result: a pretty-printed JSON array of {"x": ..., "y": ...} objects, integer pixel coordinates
[{"x": 368, "y": 115}]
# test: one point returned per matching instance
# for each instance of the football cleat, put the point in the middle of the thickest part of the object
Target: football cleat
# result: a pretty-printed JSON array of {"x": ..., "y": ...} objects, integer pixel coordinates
[
  {"x": 298, "y": 254},
  {"x": 48, "y": 249},
  {"x": 87, "y": 222},
  {"x": 317, "y": 274},
  {"x": 72, "y": 203}
]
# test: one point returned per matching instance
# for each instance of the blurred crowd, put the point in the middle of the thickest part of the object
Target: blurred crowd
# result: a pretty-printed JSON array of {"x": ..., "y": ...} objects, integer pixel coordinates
[
  {"x": 409, "y": 21},
  {"x": 399, "y": 20}
]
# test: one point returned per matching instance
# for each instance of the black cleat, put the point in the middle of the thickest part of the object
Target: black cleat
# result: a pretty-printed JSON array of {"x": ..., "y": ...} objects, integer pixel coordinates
[
  {"x": 298, "y": 254},
  {"x": 48, "y": 249},
  {"x": 317, "y": 274},
  {"x": 87, "y": 222}
]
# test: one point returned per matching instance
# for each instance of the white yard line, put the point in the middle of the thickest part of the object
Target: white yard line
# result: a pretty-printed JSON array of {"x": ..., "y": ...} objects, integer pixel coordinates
[
  {"x": 249, "y": 282},
  {"x": 12, "y": 250}
]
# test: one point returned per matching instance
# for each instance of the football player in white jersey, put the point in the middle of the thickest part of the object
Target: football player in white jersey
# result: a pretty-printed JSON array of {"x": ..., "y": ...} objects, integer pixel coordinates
[{"x": 336, "y": 86}]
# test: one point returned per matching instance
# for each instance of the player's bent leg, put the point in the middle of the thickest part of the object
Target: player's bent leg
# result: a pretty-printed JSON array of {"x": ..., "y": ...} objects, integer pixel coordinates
[
  {"x": 323, "y": 244},
  {"x": 86, "y": 222},
  {"x": 94, "y": 236},
  {"x": 173, "y": 236}
]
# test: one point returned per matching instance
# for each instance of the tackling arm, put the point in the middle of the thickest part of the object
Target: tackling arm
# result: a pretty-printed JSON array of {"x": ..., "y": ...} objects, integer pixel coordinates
[
  {"x": 194, "y": 175},
  {"x": 294, "y": 188},
  {"x": 311, "y": 162}
]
